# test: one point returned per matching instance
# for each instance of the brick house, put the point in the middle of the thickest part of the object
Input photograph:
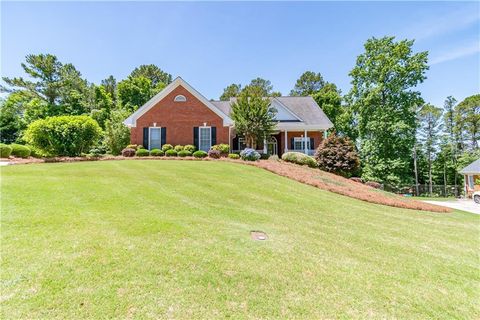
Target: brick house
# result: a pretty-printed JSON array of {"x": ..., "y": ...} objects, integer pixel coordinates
[
  {"x": 471, "y": 174},
  {"x": 181, "y": 115}
]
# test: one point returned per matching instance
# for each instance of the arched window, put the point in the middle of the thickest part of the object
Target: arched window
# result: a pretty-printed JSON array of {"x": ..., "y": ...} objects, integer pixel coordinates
[{"x": 180, "y": 98}]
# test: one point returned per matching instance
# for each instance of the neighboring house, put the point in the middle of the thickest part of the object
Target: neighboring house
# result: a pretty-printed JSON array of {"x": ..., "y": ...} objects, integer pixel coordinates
[
  {"x": 471, "y": 174},
  {"x": 179, "y": 114}
]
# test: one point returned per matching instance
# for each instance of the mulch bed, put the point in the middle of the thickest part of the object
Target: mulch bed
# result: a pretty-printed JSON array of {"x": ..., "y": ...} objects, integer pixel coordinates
[{"x": 314, "y": 177}]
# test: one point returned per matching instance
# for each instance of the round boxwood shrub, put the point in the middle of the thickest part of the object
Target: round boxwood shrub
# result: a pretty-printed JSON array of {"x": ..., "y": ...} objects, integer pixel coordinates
[
  {"x": 264, "y": 156},
  {"x": 223, "y": 148},
  {"x": 5, "y": 150},
  {"x": 299, "y": 158},
  {"x": 171, "y": 153},
  {"x": 249, "y": 154},
  {"x": 157, "y": 153},
  {"x": 190, "y": 147},
  {"x": 128, "y": 152},
  {"x": 142, "y": 153},
  {"x": 215, "y": 154},
  {"x": 178, "y": 147},
  {"x": 20, "y": 151},
  {"x": 63, "y": 135},
  {"x": 184, "y": 153},
  {"x": 234, "y": 156},
  {"x": 166, "y": 147},
  {"x": 200, "y": 154}
]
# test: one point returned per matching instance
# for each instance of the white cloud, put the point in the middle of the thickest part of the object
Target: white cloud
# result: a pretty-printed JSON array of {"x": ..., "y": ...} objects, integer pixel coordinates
[
  {"x": 443, "y": 24},
  {"x": 457, "y": 53}
]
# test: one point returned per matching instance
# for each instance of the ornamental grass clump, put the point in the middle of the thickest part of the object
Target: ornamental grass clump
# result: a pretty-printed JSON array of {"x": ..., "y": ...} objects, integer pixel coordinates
[{"x": 249, "y": 154}]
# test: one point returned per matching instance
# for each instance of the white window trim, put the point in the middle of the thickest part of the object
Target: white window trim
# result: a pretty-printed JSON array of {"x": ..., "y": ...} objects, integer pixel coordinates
[
  {"x": 199, "y": 136},
  {"x": 180, "y": 98},
  {"x": 150, "y": 136},
  {"x": 302, "y": 140}
]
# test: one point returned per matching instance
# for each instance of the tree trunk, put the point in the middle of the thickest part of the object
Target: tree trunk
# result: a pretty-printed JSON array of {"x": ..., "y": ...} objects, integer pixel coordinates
[
  {"x": 416, "y": 170},
  {"x": 430, "y": 187},
  {"x": 445, "y": 177}
]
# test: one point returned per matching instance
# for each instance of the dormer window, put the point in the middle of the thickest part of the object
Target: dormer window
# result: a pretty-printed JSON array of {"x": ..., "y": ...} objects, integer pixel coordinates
[{"x": 180, "y": 98}]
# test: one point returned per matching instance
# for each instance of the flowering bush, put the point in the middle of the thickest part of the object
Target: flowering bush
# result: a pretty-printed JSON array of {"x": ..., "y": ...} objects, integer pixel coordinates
[
  {"x": 249, "y": 155},
  {"x": 200, "y": 154},
  {"x": 223, "y": 148},
  {"x": 179, "y": 147},
  {"x": 128, "y": 152},
  {"x": 189, "y": 147},
  {"x": 215, "y": 154},
  {"x": 166, "y": 147},
  {"x": 234, "y": 156},
  {"x": 157, "y": 153},
  {"x": 184, "y": 153}
]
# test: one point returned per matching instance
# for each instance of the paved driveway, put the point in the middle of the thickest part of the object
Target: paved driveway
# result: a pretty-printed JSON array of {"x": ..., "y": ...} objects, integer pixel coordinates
[{"x": 465, "y": 205}]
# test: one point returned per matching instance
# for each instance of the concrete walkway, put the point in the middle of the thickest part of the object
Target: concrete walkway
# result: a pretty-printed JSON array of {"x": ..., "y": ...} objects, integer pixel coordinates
[{"x": 464, "y": 205}]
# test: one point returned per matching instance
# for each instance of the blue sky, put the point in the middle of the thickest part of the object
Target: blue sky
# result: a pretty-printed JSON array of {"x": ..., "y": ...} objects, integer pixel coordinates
[{"x": 213, "y": 44}]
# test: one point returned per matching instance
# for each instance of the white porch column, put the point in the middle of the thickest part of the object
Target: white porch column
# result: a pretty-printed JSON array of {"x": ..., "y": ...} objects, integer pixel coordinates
[
  {"x": 286, "y": 141},
  {"x": 305, "y": 142},
  {"x": 265, "y": 146}
]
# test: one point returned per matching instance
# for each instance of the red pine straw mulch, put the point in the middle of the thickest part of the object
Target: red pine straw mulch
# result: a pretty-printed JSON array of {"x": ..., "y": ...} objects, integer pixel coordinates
[
  {"x": 343, "y": 186},
  {"x": 314, "y": 177}
]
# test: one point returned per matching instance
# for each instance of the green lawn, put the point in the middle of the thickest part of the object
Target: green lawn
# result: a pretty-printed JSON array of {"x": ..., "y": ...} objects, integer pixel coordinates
[{"x": 170, "y": 239}]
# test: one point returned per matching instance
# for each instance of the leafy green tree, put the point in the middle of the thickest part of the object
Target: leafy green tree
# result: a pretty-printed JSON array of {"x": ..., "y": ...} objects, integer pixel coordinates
[
  {"x": 117, "y": 135},
  {"x": 383, "y": 103},
  {"x": 254, "y": 117},
  {"x": 429, "y": 117},
  {"x": 468, "y": 120},
  {"x": 153, "y": 73},
  {"x": 452, "y": 140},
  {"x": 329, "y": 98},
  {"x": 11, "y": 121},
  {"x": 133, "y": 92},
  {"x": 264, "y": 87},
  {"x": 103, "y": 105},
  {"x": 231, "y": 91},
  {"x": 110, "y": 86},
  {"x": 308, "y": 84}
]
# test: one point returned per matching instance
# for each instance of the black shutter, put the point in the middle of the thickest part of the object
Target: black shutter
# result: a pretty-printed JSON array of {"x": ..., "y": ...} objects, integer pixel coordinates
[
  {"x": 214, "y": 136},
  {"x": 195, "y": 137},
  {"x": 292, "y": 144},
  {"x": 145, "y": 137},
  {"x": 164, "y": 136},
  {"x": 312, "y": 144},
  {"x": 235, "y": 143}
]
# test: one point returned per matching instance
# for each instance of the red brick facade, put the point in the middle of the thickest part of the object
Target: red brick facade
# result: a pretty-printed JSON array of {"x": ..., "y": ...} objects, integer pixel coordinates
[{"x": 179, "y": 119}]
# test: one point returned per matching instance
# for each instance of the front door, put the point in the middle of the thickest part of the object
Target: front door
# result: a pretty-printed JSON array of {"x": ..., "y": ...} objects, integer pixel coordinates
[{"x": 272, "y": 146}]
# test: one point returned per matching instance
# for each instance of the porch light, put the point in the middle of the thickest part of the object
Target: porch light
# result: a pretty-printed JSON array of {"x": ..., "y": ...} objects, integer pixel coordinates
[{"x": 154, "y": 124}]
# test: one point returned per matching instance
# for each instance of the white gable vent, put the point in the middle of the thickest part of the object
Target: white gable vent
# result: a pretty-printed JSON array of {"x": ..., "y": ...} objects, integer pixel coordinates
[{"x": 180, "y": 98}]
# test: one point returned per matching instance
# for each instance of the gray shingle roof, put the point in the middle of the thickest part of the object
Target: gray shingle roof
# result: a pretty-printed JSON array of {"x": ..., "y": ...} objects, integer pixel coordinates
[
  {"x": 304, "y": 107},
  {"x": 473, "y": 167}
]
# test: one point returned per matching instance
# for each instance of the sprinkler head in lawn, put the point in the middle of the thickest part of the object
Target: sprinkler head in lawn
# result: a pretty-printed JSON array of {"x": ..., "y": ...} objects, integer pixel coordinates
[{"x": 258, "y": 235}]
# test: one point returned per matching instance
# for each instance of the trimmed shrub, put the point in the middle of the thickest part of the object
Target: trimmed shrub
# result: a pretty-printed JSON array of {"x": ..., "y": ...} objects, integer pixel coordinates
[
  {"x": 20, "y": 151},
  {"x": 128, "y": 152},
  {"x": 63, "y": 135},
  {"x": 95, "y": 152},
  {"x": 373, "y": 184},
  {"x": 166, "y": 147},
  {"x": 200, "y": 154},
  {"x": 5, "y": 150},
  {"x": 299, "y": 158},
  {"x": 222, "y": 147},
  {"x": 157, "y": 153},
  {"x": 35, "y": 152},
  {"x": 171, "y": 153},
  {"x": 249, "y": 155},
  {"x": 184, "y": 153},
  {"x": 133, "y": 146},
  {"x": 337, "y": 155},
  {"x": 190, "y": 147},
  {"x": 215, "y": 154},
  {"x": 356, "y": 179},
  {"x": 234, "y": 156},
  {"x": 179, "y": 147},
  {"x": 264, "y": 156},
  {"x": 142, "y": 153}
]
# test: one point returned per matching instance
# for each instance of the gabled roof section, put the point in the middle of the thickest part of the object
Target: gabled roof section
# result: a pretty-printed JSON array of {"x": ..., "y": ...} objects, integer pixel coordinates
[
  {"x": 472, "y": 168},
  {"x": 131, "y": 121}
]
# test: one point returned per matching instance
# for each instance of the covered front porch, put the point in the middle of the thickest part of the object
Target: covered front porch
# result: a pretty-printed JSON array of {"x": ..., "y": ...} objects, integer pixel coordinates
[{"x": 281, "y": 141}]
